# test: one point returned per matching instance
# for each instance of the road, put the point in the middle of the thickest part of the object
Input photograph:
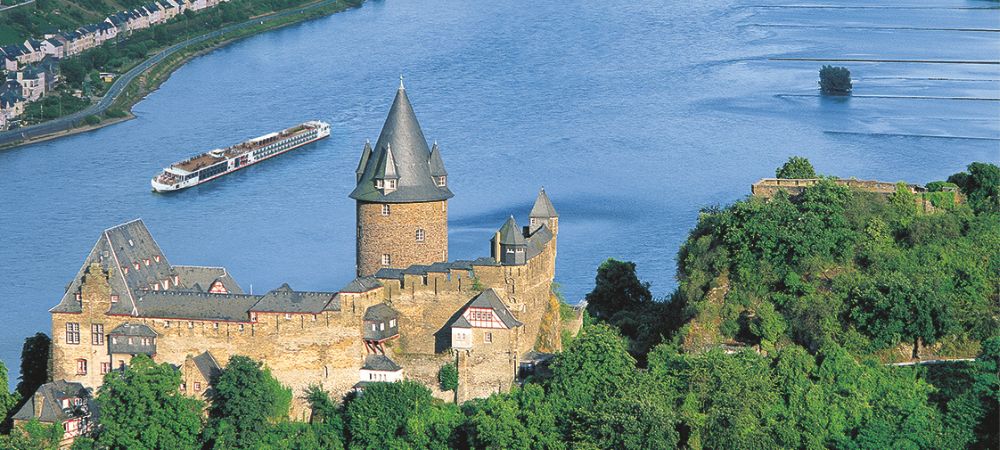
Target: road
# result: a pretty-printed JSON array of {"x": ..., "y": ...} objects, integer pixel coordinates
[{"x": 71, "y": 121}]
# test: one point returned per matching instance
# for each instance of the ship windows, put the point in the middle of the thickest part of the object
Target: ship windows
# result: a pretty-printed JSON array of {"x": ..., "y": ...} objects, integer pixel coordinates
[
  {"x": 386, "y": 260},
  {"x": 420, "y": 235},
  {"x": 385, "y": 210}
]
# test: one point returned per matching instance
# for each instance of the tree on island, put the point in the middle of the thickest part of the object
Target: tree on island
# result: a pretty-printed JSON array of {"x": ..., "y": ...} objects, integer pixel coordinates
[
  {"x": 796, "y": 167},
  {"x": 835, "y": 80}
]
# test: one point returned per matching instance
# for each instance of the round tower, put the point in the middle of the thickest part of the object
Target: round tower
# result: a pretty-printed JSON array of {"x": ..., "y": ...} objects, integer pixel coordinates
[{"x": 402, "y": 196}]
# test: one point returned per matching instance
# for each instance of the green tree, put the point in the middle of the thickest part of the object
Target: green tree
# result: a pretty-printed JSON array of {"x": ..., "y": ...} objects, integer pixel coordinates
[
  {"x": 7, "y": 399},
  {"x": 835, "y": 80},
  {"x": 521, "y": 419},
  {"x": 34, "y": 364},
  {"x": 33, "y": 435},
  {"x": 796, "y": 167},
  {"x": 640, "y": 416},
  {"x": 981, "y": 185},
  {"x": 448, "y": 377},
  {"x": 327, "y": 419},
  {"x": 401, "y": 415},
  {"x": 141, "y": 407},
  {"x": 247, "y": 400}
]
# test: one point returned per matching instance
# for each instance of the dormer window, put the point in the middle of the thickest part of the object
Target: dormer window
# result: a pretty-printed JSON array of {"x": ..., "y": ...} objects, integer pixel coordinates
[
  {"x": 177, "y": 280},
  {"x": 379, "y": 184},
  {"x": 114, "y": 298},
  {"x": 146, "y": 262},
  {"x": 156, "y": 258},
  {"x": 442, "y": 181},
  {"x": 390, "y": 184}
]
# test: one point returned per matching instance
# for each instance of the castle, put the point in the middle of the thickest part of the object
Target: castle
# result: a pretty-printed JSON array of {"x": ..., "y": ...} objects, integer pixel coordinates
[{"x": 408, "y": 312}]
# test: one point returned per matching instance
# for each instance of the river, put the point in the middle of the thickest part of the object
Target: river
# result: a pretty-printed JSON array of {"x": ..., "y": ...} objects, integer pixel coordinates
[{"x": 632, "y": 115}]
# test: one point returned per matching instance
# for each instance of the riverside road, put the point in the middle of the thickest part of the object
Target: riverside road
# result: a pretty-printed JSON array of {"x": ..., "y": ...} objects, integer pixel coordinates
[{"x": 74, "y": 120}]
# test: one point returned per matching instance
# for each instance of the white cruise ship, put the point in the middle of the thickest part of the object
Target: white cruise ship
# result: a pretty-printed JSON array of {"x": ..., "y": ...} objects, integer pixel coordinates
[{"x": 216, "y": 163}]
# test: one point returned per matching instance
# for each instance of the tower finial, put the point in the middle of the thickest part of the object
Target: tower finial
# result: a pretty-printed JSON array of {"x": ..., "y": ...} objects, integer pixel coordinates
[{"x": 401, "y": 87}]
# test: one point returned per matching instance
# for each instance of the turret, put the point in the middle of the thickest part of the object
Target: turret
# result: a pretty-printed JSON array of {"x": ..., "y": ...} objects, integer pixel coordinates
[
  {"x": 402, "y": 196},
  {"x": 543, "y": 213},
  {"x": 509, "y": 245}
]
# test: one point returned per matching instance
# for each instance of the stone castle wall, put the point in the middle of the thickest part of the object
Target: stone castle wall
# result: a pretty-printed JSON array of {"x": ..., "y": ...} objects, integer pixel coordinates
[
  {"x": 395, "y": 234},
  {"x": 326, "y": 349},
  {"x": 768, "y": 187}
]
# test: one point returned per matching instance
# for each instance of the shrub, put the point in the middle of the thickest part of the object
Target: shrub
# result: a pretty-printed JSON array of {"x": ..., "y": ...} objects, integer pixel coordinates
[
  {"x": 448, "y": 377},
  {"x": 835, "y": 80},
  {"x": 92, "y": 120}
]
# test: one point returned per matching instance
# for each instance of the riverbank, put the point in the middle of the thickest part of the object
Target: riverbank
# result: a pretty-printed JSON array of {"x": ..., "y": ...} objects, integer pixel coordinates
[{"x": 148, "y": 75}]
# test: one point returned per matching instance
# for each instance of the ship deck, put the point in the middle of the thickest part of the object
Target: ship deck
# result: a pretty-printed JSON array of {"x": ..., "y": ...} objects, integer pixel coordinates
[{"x": 206, "y": 159}]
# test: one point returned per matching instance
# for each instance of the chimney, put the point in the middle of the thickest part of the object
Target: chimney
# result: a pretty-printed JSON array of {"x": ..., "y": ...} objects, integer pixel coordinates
[
  {"x": 496, "y": 246},
  {"x": 38, "y": 400}
]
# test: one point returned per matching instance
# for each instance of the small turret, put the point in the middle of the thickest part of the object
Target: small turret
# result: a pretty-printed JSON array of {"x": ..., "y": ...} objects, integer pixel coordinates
[
  {"x": 366, "y": 153},
  {"x": 543, "y": 213},
  {"x": 509, "y": 245},
  {"x": 438, "y": 173}
]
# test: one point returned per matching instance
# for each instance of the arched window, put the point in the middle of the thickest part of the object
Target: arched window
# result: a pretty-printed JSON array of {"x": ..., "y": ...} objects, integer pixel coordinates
[{"x": 420, "y": 235}]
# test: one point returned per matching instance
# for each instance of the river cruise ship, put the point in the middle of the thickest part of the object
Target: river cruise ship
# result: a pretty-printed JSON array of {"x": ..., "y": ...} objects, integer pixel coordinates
[{"x": 216, "y": 163}]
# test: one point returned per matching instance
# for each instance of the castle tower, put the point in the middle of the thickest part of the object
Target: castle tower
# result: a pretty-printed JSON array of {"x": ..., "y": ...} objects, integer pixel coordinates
[
  {"x": 543, "y": 213},
  {"x": 402, "y": 196}
]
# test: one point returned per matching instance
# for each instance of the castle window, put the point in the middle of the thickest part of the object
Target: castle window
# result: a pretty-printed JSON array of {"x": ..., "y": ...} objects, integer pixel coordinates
[
  {"x": 81, "y": 367},
  {"x": 136, "y": 265},
  {"x": 114, "y": 340},
  {"x": 314, "y": 317},
  {"x": 166, "y": 284},
  {"x": 144, "y": 341},
  {"x": 114, "y": 298},
  {"x": 190, "y": 324},
  {"x": 215, "y": 325},
  {"x": 392, "y": 184},
  {"x": 130, "y": 243},
  {"x": 156, "y": 258},
  {"x": 442, "y": 181},
  {"x": 125, "y": 269},
  {"x": 177, "y": 280},
  {"x": 197, "y": 386},
  {"x": 72, "y": 333},
  {"x": 97, "y": 334},
  {"x": 381, "y": 326},
  {"x": 105, "y": 368},
  {"x": 385, "y": 260},
  {"x": 420, "y": 235},
  {"x": 78, "y": 296},
  {"x": 392, "y": 323},
  {"x": 184, "y": 387},
  {"x": 241, "y": 328},
  {"x": 146, "y": 262},
  {"x": 379, "y": 184},
  {"x": 385, "y": 210},
  {"x": 166, "y": 324},
  {"x": 288, "y": 316},
  {"x": 488, "y": 337}
]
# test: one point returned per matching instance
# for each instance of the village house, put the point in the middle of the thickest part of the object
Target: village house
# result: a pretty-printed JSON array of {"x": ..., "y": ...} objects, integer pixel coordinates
[
  {"x": 54, "y": 46},
  {"x": 11, "y": 100},
  {"x": 66, "y": 403},
  {"x": 32, "y": 82}
]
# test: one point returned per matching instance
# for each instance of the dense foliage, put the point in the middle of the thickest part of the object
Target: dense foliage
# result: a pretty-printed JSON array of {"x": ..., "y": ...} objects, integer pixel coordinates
[
  {"x": 796, "y": 167},
  {"x": 835, "y": 80},
  {"x": 448, "y": 377},
  {"x": 141, "y": 407},
  {"x": 246, "y": 400}
]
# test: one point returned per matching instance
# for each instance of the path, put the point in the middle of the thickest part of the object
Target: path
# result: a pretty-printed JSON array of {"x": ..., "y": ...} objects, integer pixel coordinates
[{"x": 74, "y": 120}]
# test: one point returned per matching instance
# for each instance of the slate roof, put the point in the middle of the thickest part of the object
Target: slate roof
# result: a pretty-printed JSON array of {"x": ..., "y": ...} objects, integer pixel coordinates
[
  {"x": 380, "y": 363},
  {"x": 460, "y": 322},
  {"x": 366, "y": 153},
  {"x": 537, "y": 241},
  {"x": 380, "y": 313},
  {"x": 207, "y": 365},
  {"x": 133, "y": 329},
  {"x": 361, "y": 284},
  {"x": 205, "y": 276},
  {"x": 490, "y": 299},
  {"x": 195, "y": 305},
  {"x": 436, "y": 164},
  {"x": 286, "y": 300},
  {"x": 543, "y": 206},
  {"x": 410, "y": 155},
  {"x": 51, "y": 410},
  {"x": 510, "y": 233}
]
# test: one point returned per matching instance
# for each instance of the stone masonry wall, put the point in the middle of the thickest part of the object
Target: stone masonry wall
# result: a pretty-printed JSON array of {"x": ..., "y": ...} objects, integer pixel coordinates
[
  {"x": 395, "y": 234},
  {"x": 327, "y": 349}
]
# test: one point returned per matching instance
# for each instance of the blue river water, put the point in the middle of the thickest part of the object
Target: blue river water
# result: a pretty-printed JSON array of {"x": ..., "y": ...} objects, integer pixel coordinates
[{"x": 632, "y": 115}]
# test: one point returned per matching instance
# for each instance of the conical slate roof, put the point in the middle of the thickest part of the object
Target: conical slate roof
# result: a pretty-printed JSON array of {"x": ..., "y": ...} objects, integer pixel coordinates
[
  {"x": 410, "y": 154},
  {"x": 543, "y": 206},
  {"x": 510, "y": 234},
  {"x": 366, "y": 154},
  {"x": 436, "y": 164}
]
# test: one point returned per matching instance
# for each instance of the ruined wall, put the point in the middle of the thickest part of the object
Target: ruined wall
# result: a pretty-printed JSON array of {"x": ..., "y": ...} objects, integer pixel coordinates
[
  {"x": 768, "y": 187},
  {"x": 395, "y": 234}
]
